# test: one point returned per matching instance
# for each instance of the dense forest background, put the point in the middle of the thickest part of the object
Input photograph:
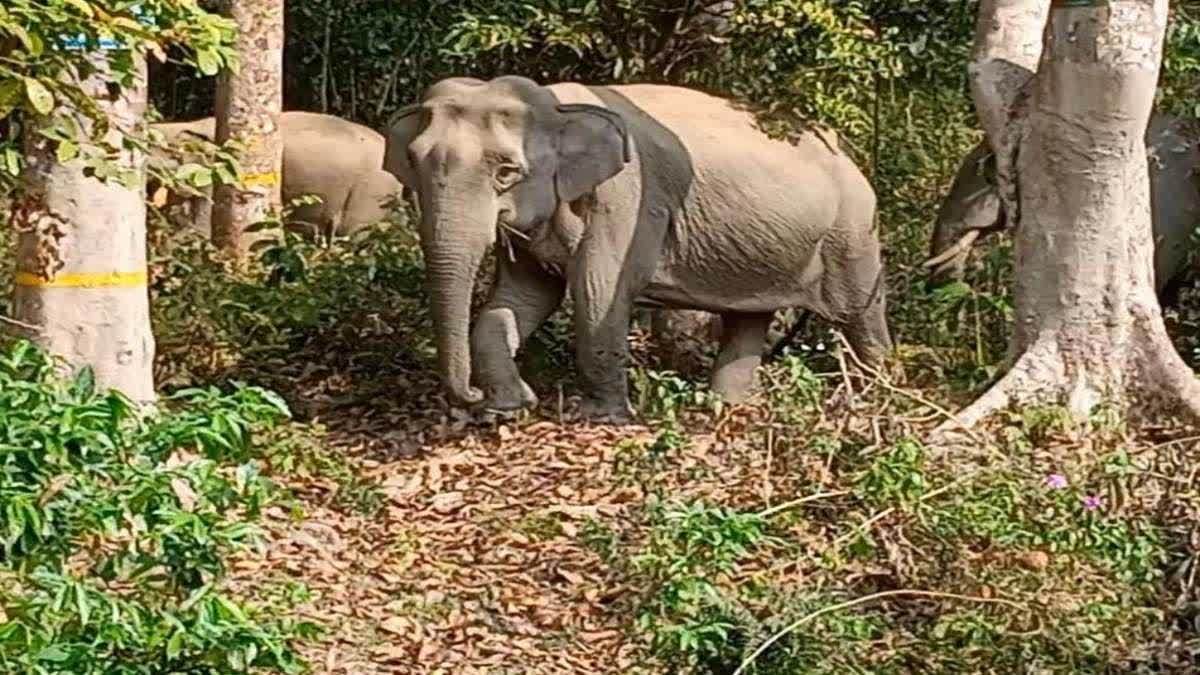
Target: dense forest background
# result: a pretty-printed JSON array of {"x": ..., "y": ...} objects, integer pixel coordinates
[
  {"x": 887, "y": 74},
  {"x": 306, "y": 495}
]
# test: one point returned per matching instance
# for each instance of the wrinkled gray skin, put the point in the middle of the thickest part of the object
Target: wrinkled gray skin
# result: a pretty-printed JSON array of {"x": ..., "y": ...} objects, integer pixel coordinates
[
  {"x": 1173, "y": 155},
  {"x": 339, "y": 161},
  {"x": 619, "y": 195}
]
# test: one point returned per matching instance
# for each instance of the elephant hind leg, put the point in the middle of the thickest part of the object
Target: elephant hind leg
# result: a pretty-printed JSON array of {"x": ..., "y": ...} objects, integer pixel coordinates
[
  {"x": 867, "y": 329},
  {"x": 742, "y": 339}
]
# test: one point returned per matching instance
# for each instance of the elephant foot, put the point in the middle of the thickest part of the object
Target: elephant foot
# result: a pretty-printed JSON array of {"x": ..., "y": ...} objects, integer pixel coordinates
[
  {"x": 733, "y": 393},
  {"x": 606, "y": 412},
  {"x": 515, "y": 396}
]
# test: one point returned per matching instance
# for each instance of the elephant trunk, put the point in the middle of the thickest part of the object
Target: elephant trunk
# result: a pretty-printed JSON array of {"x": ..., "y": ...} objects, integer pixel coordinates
[{"x": 454, "y": 251}]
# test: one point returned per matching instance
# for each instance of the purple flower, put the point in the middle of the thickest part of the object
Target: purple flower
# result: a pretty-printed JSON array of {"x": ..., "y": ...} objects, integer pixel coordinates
[
  {"x": 1056, "y": 481},
  {"x": 1093, "y": 502}
]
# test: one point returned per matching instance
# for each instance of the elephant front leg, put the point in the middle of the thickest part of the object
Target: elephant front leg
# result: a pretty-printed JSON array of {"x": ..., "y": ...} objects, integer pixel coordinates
[
  {"x": 602, "y": 317},
  {"x": 742, "y": 341},
  {"x": 523, "y": 297}
]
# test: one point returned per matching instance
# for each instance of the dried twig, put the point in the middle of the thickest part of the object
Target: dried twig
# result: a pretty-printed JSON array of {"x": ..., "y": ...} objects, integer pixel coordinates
[
  {"x": 862, "y": 601},
  {"x": 883, "y": 381},
  {"x": 20, "y": 324},
  {"x": 779, "y": 508},
  {"x": 866, "y": 524}
]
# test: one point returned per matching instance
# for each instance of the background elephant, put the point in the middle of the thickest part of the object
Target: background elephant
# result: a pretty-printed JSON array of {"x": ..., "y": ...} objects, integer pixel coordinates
[
  {"x": 339, "y": 161},
  {"x": 973, "y": 208},
  {"x": 619, "y": 194}
]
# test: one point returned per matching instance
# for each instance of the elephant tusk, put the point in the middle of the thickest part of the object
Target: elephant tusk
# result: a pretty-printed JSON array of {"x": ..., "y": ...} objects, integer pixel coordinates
[{"x": 964, "y": 242}]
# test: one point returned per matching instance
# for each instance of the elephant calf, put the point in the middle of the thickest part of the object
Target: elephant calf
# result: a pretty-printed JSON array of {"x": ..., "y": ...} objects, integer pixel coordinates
[
  {"x": 973, "y": 206},
  {"x": 620, "y": 194},
  {"x": 339, "y": 161}
]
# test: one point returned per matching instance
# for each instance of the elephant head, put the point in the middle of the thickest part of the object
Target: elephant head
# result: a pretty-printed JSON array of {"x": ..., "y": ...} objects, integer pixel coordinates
[
  {"x": 971, "y": 209},
  {"x": 484, "y": 157}
]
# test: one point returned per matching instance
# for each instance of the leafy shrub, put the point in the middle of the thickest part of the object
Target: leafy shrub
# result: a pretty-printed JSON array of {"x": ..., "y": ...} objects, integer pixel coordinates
[
  {"x": 209, "y": 321},
  {"x": 664, "y": 395},
  {"x": 689, "y": 619},
  {"x": 117, "y": 525},
  {"x": 896, "y": 477}
]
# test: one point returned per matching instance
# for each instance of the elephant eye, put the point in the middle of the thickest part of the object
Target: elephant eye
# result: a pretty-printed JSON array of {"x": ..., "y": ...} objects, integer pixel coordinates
[{"x": 508, "y": 175}]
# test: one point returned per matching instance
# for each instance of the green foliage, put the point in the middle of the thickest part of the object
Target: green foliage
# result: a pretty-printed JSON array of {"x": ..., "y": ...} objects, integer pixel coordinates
[
  {"x": 896, "y": 477},
  {"x": 118, "y": 526},
  {"x": 1021, "y": 514},
  {"x": 665, "y": 395},
  {"x": 687, "y": 617},
  {"x": 208, "y": 321},
  {"x": 1181, "y": 62},
  {"x": 50, "y": 47},
  {"x": 793, "y": 390}
]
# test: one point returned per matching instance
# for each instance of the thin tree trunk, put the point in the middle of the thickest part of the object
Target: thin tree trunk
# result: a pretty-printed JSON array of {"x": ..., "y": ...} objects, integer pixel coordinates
[
  {"x": 325, "y": 61},
  {"x": 682, "y": 335},
  {"x": 81, "y": 278},
  {"x": 248, "y": 107},
  {"x": 1088, "y": 325}
]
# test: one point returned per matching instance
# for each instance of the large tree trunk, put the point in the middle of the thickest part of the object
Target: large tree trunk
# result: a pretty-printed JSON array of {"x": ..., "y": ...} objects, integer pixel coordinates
[
  {"x": 248, "y": 107},
  {"x": 1088, "y": 325},
  {"x": 81, "y": 280}
]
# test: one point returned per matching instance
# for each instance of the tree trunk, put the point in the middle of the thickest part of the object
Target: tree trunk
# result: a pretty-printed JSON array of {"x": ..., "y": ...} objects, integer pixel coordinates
[
  {"x": 81, "y": 279},
  {"x": 248, "y": 107},
  {"x": 681, "y": 337},
  {"x": 1008, "y": 46},
  {"x": 1088, "y": 325}
]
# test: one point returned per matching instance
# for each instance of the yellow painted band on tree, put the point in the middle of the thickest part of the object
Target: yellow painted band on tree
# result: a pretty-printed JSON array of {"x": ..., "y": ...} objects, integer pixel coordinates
[
  {"x": 260, "y": 179},
  {"x": 84, "y": 280}
]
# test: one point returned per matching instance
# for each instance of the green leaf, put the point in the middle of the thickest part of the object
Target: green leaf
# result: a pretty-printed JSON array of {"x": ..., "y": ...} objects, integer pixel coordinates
[
  {"x": 10, "y": 96},
  {"x": 12, "y": 161},
  {"x": 39, "y": 96},
  {"x": 54, "y": 654},
  {"x": 207, "y": 62},
  {"x": 67, "y": 151},
  {"x": 175, "y": 644},
  {"x": 19, "y": 31},
  {"x": 82, "y": 6},
  {"x": 84, "y": 385},
  {"x": 82, "y": 604}
]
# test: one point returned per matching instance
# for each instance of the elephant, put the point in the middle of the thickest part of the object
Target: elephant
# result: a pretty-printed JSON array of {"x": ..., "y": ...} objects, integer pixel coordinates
[
  {"x": 973, "y": 209},
  {"x": 621, "y": 195},
  {"x": 339, "y": 161}
]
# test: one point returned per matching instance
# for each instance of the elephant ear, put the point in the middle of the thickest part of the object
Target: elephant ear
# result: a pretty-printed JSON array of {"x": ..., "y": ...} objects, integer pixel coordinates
[
  {"x": 406, "y": 124},
  {"x": 593, "y": 146}
]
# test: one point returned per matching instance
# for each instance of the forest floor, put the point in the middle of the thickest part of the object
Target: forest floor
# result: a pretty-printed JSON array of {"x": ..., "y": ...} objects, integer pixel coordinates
[
  {"x": 819, "y": 522},
  {"x": 543, "y": 545}
]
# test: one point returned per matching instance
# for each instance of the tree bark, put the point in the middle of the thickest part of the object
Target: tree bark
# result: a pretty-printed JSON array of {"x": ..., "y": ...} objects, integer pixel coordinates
[
  {"x": 248, "y": 107},
  {"x": 1088, "y": 325},
  {"x": 681, "y": 337},
  {"x": 1008, "y": 47},
  {"x": 81, "y": 275}
]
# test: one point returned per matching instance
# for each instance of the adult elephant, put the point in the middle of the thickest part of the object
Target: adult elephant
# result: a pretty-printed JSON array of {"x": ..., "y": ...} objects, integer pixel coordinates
[
  {"x": 620, "y": 194},
  {"x": 336, "y": 160},
  {"x": 972, "y": 208}
]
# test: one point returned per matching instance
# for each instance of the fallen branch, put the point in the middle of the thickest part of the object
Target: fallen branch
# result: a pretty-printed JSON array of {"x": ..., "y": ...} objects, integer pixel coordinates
[
  {"x": 792, "y": 627},
  {"x": 883, "y": 381},
  {"x": 20, "y": 324},
  {"x": 778, "y": 508},
  {"x": 866, "y": 524}
]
